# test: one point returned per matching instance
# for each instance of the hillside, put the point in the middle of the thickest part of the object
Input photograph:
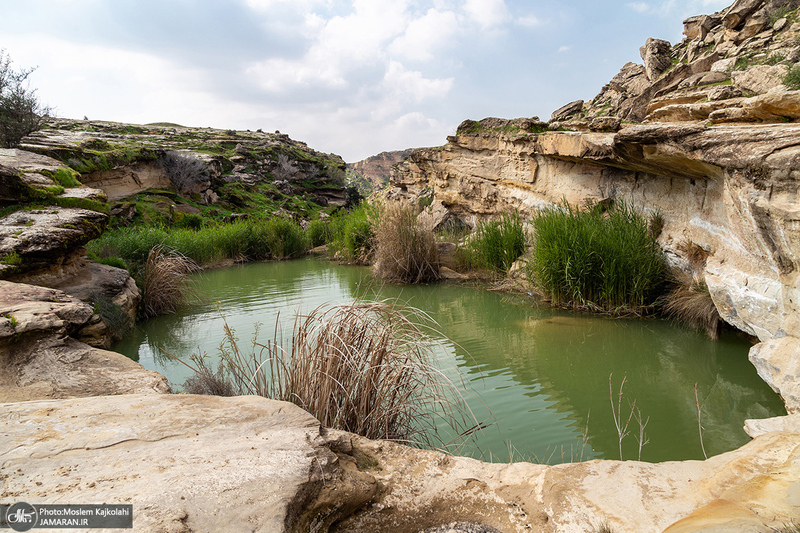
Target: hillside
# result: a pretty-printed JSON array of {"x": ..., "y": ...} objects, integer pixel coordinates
[{"x": 373, "y": 173}]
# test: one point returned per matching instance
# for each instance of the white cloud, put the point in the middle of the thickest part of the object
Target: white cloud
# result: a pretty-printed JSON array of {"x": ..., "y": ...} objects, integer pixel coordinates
[
  {"x": 639, "y": 7},
  {"x": 487, "y": 13},
  {"x": 266, "y": 5},
  {"x": 564, "y": 49},
  {"x": 411, "y": 84},
  {"x": 425, "y": 35},
  {"x": 340, "y": 46}
]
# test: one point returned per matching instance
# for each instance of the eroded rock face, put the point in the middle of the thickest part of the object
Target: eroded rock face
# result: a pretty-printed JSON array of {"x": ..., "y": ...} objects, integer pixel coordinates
[
  {"x": 39, "y": 359},
  {"x": 45, "y": 238}
]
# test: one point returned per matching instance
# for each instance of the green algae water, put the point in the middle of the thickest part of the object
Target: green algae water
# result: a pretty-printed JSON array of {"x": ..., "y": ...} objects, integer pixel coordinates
[{"x": 538, "y": 378}]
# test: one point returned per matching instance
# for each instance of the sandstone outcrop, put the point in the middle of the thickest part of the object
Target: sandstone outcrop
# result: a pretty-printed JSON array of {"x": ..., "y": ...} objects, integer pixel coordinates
[
  {"x": 40, "y": 359},
  {"x": 185, "y": 463},
  {"x": 743, "y": 46},
  {"x": 126, "y": 159},
  {"x": 199, "y": 463},
  {"x": 376, "y": 170}
]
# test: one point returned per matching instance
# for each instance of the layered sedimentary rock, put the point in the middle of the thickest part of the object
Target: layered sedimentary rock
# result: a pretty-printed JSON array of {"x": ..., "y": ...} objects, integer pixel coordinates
[
  {"x": 704, "y": 133},
  {"x": 732, "y": 190},
  {"x": 40, "y": 357},
  {"x": 208, "y": 464}
]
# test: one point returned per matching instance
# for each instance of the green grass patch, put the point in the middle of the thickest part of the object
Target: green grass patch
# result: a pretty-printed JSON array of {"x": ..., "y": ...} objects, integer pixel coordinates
[
  {"x": 11, "y": 259},
  {"x": 792, "y": 78},
  {"x": 603, "y": 261},
  {"x": 495, "y": 245},
  {"x": 274, "y": 238},
  {"x": 67, "y": 178},
  {"x": 318, "y": 232},
  {"x": 353, "y": 234},
  {"x": 80, "y": 203}
]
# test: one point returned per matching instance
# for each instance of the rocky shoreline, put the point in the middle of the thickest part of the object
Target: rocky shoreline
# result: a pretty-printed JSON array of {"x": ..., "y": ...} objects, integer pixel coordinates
[{"x": 84, "y": 425}]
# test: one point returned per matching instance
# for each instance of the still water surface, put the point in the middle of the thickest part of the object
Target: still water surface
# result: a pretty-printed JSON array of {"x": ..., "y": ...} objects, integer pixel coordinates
[{"x": 540, "y": 377}]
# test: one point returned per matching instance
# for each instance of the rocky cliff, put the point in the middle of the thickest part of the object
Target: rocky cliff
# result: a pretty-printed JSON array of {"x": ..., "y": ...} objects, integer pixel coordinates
[
  {"x": 727, "y": 186},
  {"x": 373, "y": 173}
]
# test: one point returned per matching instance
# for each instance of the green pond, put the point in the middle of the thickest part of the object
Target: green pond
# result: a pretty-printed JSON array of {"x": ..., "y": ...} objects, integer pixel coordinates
[{"x": 539, "y": 378}]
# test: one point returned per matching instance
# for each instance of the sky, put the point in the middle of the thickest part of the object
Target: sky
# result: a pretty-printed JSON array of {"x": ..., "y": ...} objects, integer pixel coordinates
[{"x": 350, "y": 77}]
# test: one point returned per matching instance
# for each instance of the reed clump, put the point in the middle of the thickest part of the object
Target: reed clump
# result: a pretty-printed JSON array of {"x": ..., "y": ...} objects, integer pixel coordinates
[
  {"x": 495, "y": 245},
  {"x": 594, "y": 259},
  {"x": 689, "y": 302},
  {"x": 363, "y": 368},
  {"x": 165, "y": 281},
  {"x": 406, "y": 251}
]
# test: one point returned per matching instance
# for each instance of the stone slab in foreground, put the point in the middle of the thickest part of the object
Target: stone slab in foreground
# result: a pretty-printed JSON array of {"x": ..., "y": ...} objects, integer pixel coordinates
[
  {"x": 185, "y": 463},
  {"x": 208, "y": 464}
]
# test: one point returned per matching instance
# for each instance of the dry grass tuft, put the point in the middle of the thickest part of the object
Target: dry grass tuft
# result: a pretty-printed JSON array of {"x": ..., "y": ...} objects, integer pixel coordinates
[
  {"x": 406, "y": 252},
  {"x": 690, "y": 303},
  {"x": 363, "y": 368},
  {"x": 165, "y": 282},
  {"x": 695, "y": 254}
]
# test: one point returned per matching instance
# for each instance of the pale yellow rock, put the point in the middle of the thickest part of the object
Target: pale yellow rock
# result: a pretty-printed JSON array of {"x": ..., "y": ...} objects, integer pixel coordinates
[{"x": 185, "y": 463}]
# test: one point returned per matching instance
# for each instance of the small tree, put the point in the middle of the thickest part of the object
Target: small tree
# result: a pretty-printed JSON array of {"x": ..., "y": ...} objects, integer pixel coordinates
[{"x": 20, "y": 110}]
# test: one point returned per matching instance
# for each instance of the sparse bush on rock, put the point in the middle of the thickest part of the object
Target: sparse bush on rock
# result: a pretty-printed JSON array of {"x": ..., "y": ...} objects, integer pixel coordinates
[
  {"x": 186, "y": 172},
  {"x": 20, "y": 111}
]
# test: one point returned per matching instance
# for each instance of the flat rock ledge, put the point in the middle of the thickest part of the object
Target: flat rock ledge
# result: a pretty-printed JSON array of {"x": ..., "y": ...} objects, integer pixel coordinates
[
  {"x": 39, "y": 359},
  {"x": 207, "y": 464}
]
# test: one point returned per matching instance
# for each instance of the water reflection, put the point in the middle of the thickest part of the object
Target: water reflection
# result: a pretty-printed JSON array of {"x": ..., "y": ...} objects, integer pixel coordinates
[{"x": 541, "y": 375}]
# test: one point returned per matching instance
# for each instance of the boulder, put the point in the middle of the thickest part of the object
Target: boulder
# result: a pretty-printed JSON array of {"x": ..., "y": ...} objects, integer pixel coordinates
[
  {"x": 778, "y": 363},
  {"x": 725, "y": 66},
  {"x": 605, "y": 124},
  {"x": 185, "y": 462},
  {"x": 759, "y": 79},
  {"x": 702, "y": 78},
  {"x": 564, "y": 112},
  {"x": 739, "y": 11},
  {"x": 699, "y": 26},
  {"x": 38, "y": 359},
  {"x": 43, "y": 238},
  {"x": 656, "y": 56},
  {"x": 723, "y": 92},
  {"x": 631, "y": 80}
]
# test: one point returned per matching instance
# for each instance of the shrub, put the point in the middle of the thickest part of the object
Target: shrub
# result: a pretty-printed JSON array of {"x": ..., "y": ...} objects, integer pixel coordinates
[
  {"x": 190, "y": 221},
  {"x": 495, "y": 245},
  {"x": 20, "y": 111},
  {"x": 353, "y": 235},
  {"x": 792, "y": 78},
  {"x": 165, "y": 283},
  {"x": 185, "y": 171},
  {"x": 360, "y": 368},
  {"x": 318, "y": 233},
  {"x": 601, "y": 261},
  {"x": 405, "y": 252},
  {"x": 281, "y": 237}
]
